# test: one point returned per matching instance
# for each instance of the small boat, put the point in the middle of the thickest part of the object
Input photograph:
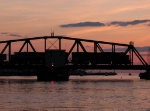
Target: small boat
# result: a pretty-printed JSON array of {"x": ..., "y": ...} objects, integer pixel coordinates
[{"x": 130, "y": 74}]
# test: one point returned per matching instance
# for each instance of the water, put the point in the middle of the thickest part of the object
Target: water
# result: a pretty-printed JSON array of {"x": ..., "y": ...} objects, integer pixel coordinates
[{"x": 102, "y": 93}]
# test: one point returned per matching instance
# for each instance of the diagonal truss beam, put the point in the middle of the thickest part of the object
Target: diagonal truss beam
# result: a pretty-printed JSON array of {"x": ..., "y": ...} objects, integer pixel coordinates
[
  {"x": 32, "y": 46},
  {"x": 82, "y": 46},
  {"x": 139, "y": 56},
  {"x": 22, "y": 46},
  {"x": 72, "y": 48},
  {"x": 12, "y": 61},
  {"x": 99, "y": 47},
  {"x": 133, "y": 49},
  {"x": 96, "y": 45},
  {"x": 128, "y": 49},
  {"x": 77, "y": 43},
  {"x": 52, "y": 44},
  {"x": 4, "y": 48},
  {"x": 26, "y": 42}
]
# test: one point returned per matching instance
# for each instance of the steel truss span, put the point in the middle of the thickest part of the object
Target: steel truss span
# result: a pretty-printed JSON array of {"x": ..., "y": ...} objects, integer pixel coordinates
[{"x": 98, "y": 59}]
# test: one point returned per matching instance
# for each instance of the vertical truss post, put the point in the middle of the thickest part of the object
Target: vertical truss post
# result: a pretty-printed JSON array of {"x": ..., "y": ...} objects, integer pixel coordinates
[
  {"x": 45, "y": 44},
  {"x": 77, "y": 45},
  {"x": 27, "y": 58},
  {"x": 131, "y": 50},
  {"x": 9, "y": 51},
  {"x": 95, "y": 47},
  {"x": 113, "y": 54},
  {"x": 59, "y": 43},
  {"x": 132, "y": 55},
  {"x": 27, "y": 47},
  {"x": 113, "y": 48}
]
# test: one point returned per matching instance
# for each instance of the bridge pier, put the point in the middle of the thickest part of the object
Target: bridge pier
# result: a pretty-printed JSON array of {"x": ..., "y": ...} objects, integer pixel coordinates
[
  {"x": 52, "y": 74},
  {"x": 145, "y": 75}
]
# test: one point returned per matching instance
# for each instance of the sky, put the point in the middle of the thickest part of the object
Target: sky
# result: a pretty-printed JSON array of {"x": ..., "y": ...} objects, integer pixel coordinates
[{"x": 118, "y": 21}]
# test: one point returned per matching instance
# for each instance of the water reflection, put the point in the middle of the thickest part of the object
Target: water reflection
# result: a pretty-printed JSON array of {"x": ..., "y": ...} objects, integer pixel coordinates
[{"x": 79, "y": 93}]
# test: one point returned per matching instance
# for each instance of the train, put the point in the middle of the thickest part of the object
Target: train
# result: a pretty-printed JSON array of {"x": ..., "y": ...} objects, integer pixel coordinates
[
  {"x": 86, "y": 58},
  {"x": 78, "y": 58}
]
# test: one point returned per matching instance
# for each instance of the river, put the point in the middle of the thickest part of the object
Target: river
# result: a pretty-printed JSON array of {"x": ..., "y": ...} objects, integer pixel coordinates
[{"x": 81, "y": 93}]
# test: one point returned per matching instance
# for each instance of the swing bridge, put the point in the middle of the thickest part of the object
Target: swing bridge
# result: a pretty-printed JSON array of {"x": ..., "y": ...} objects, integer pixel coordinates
[{"x": 96, "y": 59}]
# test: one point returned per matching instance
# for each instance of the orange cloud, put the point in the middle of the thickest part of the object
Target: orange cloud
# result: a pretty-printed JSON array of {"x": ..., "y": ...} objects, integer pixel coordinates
[
  {"x": 128, "y": 8},
  {"x": 91, "y": 30}
]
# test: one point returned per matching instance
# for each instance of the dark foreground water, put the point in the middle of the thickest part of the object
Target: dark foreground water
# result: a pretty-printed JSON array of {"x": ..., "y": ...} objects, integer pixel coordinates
[{"x": 90, "y": 93}]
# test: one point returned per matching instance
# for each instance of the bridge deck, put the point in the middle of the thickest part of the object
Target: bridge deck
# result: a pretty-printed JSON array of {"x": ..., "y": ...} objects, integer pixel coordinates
[{"x": 102, "y": 67}]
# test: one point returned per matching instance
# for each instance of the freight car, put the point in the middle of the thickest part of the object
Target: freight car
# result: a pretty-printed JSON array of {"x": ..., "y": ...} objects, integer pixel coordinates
[
  {"x": 117, "y": 58},
  {"x": 28, "y": 58}
]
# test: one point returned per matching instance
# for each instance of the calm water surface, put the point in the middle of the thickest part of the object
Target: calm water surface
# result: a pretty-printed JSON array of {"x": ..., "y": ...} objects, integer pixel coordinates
[{"x": 98, "y": 93}]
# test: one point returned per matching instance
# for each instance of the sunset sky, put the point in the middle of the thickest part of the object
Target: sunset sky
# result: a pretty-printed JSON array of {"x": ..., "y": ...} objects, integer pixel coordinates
[{"x": 105, "y": 20}]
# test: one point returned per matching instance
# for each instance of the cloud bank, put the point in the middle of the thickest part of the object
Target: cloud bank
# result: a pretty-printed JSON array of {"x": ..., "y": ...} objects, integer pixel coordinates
[
  {"x": 100, "y": 24},
  {"x": 12, "y": 34},
  {"x": 121, "y": 23},
  {"x": 83, "y": 24}
]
